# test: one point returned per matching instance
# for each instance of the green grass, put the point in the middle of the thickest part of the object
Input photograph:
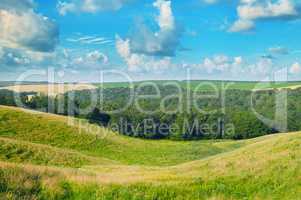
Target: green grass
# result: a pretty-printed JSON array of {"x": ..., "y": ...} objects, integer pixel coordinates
[
  {"x": 26, "y": 152},
  {"x": 42, "y": 129},
  {"x": 44, "y": 158}
]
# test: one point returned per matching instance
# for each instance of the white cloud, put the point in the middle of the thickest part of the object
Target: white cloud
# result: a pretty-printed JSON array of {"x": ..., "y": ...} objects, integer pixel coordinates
[
  {"x": 123, "y": 47},
  {"x": 251, "y": 10},
  {"x": 220, "y": 63},
  {"x": 65, "y": 7},
  {"x": 22, "y": 28},
  {"x": 162, "y": 43},
  {"x": 134, "y": 62},
  {"x": 165, "y": 19},
  {"x": 96, "y": 56},
  {"x": 27, "y": 38},
  {"x": 242, "y": 25},
  {"x": 140, "y": 62},
  {"x": 92, "y": 59},
  {"x": 89, "y": 6},
  {"x": 16, "y": 5},
  {"x": 235, "y": 67},
  {"x": 151, "y": 51},
  {"x": 238, "y": 60},
  {"x": 263, "y": 67},
  {"x": 11, "y": 57},
  {"x": 221, "y": 59},
  {"x": 295, "y": 68},
  {"x": 146, "y": 50},
  {"x": 21, "y": 60},
  {"x": 90, "y": 40}
]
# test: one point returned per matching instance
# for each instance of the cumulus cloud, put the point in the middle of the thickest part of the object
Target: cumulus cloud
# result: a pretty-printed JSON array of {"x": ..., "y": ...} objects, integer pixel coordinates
[
  {"x": 251, "y": 10},
  {"x": 96, "y": 56},
  {"x": 163, "y": 42},
  {"x": 27, "y": 38},
  {"x": 123, "y": 47},
  {"x": 139, "y": 62},
  {"x": 22, "y": 28},
  {"x": 11, "y": 57},
  {"x": 76, "y": 59},
  {"x": 147, "y": 49},
  {"x": 165, "y": 19},
  {"x": 220, "y": 63},
  {"x": 295, "y": 68},
  {"x": 89, "y": 6},
  {"x": 16, "y": 5},
  {"x": 235, "y": 67},
  {"x": 263, "y": 67},
  {"x": 242, "y": 25}
]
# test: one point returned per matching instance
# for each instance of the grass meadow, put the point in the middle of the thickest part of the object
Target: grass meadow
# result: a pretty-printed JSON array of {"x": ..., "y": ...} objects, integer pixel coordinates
[{"x": 42, "y": 157}]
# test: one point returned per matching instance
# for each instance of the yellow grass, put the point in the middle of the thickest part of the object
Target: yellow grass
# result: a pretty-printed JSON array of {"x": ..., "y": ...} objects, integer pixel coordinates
[
  {"x": 293, "y": 87},
  {"x": 255, "y": 158},
  {"x": 50, "y": 89}
]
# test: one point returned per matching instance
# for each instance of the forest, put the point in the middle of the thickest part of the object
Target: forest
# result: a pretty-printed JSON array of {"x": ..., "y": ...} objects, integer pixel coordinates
[{"x": 174, "y": 114}]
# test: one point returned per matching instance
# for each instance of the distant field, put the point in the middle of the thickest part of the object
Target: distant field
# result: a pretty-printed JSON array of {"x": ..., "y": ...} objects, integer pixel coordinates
[
  {"x": 41, "y": 157},
  {"x": 54, "y": 89},
  {"x": 11, "y": 83},
  {"x": 211, "y": 85},
  {"x": 50, "y": 89}
]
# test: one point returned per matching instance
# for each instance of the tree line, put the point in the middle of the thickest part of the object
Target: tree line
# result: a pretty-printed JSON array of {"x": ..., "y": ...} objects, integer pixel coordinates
[{"x": 233, "y": 115}]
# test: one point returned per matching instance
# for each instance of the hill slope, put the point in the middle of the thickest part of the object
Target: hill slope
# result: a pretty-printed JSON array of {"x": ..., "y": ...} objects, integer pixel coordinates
[
  {"x": 53, "y": 130},
  {"x": 43, "y": 157}
]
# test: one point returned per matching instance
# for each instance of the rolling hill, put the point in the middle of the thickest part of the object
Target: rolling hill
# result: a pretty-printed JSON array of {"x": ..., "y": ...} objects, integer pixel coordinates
[{"x": 42, "y": 157}]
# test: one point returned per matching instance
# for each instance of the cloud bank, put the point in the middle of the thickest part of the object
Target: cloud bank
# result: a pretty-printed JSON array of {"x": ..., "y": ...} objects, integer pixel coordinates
[{"x": 250, "y": 11}]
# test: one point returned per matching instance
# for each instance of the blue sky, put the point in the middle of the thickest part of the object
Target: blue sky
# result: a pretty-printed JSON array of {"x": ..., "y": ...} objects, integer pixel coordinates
[{"x": 150, "y": 39}]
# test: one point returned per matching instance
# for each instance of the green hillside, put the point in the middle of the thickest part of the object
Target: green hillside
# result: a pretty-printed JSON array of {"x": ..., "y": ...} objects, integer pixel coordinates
[
  {"x": 42, "y": 157},
  {"x": 52, "y": 130}
]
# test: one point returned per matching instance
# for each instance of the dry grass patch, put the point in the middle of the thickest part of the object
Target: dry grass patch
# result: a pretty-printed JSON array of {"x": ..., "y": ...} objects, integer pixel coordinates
[{"x": 51, "y": 89}]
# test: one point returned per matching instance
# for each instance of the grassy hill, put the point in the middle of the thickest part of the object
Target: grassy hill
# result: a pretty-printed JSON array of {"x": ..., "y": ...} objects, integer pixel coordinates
[{"x": 42, "y": 157}]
